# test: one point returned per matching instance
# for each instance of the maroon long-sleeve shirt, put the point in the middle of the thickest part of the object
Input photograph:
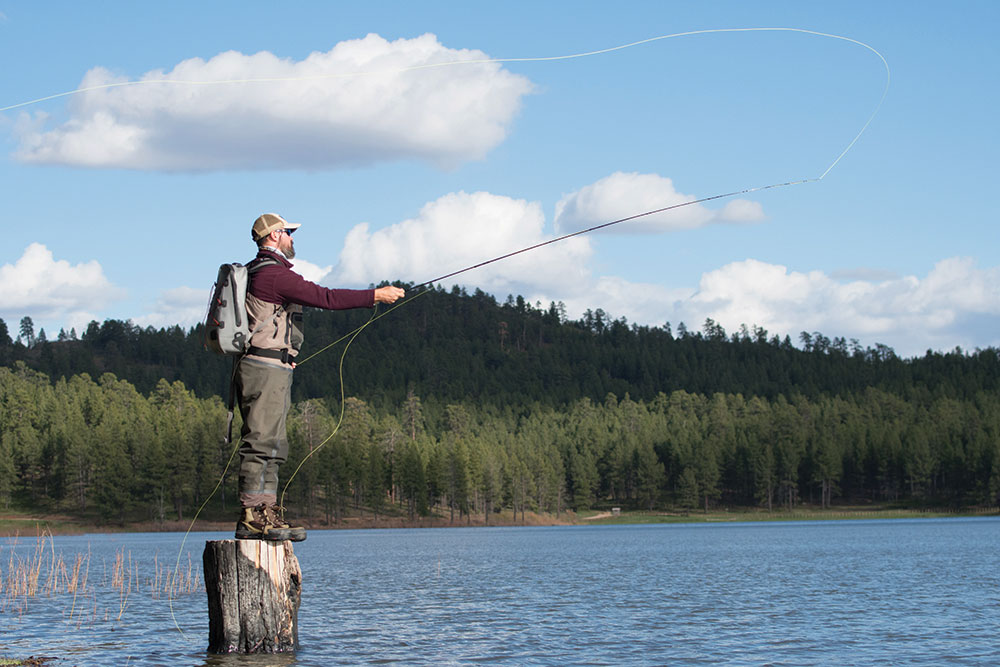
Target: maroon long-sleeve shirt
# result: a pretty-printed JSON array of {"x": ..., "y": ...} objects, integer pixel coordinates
[{"x": 277, "y": 283}]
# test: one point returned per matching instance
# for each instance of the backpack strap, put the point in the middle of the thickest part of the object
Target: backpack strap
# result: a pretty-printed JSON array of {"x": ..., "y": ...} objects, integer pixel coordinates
[
  {"x": 253, "y": 267},
  {"x": 258, "y": 263}
]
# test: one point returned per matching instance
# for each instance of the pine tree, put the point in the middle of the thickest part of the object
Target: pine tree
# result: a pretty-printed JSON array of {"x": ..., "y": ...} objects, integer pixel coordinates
[
  {"x": 27, "y": 336},
  {"x": 413, "y": 482}
]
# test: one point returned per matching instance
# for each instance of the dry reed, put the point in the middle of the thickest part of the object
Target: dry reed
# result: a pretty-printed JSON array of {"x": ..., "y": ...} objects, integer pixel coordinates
[
  {"x": 44, "y": 571},
  {"x": 172, "y": 583}
]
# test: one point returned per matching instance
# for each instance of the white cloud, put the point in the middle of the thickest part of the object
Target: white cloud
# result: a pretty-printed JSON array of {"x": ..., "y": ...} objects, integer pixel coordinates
[
  {"x": 39, "y": 286},
  {"x": 459, "y": 230},
  {"x": 355, "y": 104},
  {"x": 622, "y": 195},
  {"x": 184, "y": 306},
  {"x": 644, "y": 303},
  {"x": 955, "y": 304},
  {"x": 311, "y": 272},
  {"x": 740, "y": 210}
]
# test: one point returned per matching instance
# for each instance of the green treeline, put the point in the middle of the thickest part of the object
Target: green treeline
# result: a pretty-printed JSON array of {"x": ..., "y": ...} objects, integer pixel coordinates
[
  {"x": 82, "y": 446},
  {"x": 103, "y": 449},
  {"x": 456, "y": 346},
  {"x": 460, "y": 406}
]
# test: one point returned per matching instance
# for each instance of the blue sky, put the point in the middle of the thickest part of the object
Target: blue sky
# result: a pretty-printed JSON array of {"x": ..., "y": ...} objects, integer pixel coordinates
[{"x": 122, "y": 202}]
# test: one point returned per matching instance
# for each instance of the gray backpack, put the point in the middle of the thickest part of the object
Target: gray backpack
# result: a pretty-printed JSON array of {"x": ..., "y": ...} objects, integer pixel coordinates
[{"x": 227, "y": 330}]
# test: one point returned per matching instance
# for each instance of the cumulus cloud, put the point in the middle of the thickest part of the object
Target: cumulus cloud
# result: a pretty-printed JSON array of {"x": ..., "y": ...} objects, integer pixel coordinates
[
  {"x": 955, "y": 304},
  {"x": 184, "y": 306},
  {"x": 311, "y": 272},
  {"x": 40, "y": 286},
  {"x": 621, "y": 195},
  {"x": 643, "y": 303},
  {"x": 364, "y": 101},
  {"x": 459, "y": 230}
]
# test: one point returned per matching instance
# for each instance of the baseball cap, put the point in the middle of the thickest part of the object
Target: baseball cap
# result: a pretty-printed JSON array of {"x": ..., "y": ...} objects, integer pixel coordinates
[{"x": 268, "y": 223}]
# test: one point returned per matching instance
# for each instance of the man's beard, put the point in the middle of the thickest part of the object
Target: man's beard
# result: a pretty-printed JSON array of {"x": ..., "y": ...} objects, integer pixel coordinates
[{"x": 290, "y": 250}]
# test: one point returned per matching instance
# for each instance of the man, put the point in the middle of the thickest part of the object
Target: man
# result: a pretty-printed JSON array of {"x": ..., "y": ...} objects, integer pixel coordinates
[{"x": 275, "y": 298}]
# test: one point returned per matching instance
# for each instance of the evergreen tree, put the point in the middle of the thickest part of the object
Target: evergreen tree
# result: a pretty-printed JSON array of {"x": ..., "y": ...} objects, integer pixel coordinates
[
  {"x": 490, "y": 479},
  {"x": 523, "y": 416},
  {"x": 650, "y": 476},
  {"x": 687, "y": 490},
  {"x": 4, "y": 334},
  {"x": 583, "y": 480},
  {"x": 174, "y": 423},
  {"x": 413, "y": 481},
  {"x": 27, "y": 336},
  {"x": 356, "y": 433},
  {"x": 374, "y": 479},
  {"x": 457, "y": 476}
]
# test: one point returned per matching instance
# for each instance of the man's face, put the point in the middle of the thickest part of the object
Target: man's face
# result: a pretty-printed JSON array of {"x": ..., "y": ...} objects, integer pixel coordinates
[{"x": 286, "y": 245}]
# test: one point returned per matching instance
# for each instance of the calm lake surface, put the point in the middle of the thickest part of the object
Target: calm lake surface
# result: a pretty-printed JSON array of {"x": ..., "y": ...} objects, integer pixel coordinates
[{"x": 895, "y": 592}]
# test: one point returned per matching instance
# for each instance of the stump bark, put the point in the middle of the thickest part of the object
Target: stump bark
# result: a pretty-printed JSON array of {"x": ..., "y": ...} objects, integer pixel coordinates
[{"x": 254, "y": 588}]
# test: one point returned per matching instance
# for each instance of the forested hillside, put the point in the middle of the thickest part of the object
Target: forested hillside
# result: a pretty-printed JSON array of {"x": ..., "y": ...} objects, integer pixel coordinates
[
  {"x": 456, "y": 346},
  {"x": 457, "y": 405}
]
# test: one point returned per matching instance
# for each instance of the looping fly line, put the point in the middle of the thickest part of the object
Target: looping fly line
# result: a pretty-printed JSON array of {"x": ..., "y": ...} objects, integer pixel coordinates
[
  {"x": 341, "y": 75},
  {"x": 429, "y": 283},
  {"x": 481, "y": 61}
]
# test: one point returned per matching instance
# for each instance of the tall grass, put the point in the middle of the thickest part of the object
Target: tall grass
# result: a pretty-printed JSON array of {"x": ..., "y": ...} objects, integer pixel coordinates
[
  {"x": 170, "y": 584},
  {"x": 46, "y": 572}
]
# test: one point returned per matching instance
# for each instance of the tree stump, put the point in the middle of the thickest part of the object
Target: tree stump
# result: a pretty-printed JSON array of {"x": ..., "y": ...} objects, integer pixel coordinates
[{"x": 254, "y": 588}]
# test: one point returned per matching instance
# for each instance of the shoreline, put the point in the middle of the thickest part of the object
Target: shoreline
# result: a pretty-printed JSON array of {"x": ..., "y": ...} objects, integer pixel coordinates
[{"x": 21, "y": 525}]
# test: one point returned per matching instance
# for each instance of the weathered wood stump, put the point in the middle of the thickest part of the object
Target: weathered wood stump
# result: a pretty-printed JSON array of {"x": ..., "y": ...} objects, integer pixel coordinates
[{"x": 254, "y": 588}]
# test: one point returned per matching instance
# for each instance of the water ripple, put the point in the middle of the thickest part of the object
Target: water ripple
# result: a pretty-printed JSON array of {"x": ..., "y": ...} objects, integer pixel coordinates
[{"x": 827, "y": 593}]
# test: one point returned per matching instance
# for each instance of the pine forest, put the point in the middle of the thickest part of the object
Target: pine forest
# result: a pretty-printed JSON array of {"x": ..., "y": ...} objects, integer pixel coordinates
[{"x": 456, "y": 406}]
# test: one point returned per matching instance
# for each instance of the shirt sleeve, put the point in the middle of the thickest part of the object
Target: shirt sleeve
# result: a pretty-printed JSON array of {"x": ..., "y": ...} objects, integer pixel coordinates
[{"x": 291, "y": 287}]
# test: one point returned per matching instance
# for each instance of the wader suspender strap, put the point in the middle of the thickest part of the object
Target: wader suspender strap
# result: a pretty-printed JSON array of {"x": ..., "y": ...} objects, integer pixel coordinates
[
  {"x": 252, "y": 268},
  {"x": 232, "y": 400}
]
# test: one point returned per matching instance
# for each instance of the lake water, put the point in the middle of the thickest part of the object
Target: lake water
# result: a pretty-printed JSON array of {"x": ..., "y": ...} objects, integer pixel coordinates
[{"x": 898, "y": 592}]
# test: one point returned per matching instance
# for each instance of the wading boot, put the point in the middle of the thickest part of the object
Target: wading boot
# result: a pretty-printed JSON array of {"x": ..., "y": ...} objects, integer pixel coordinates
[
  {"x": 256, "y": 524},
  {"x": 275, "y": 514}
]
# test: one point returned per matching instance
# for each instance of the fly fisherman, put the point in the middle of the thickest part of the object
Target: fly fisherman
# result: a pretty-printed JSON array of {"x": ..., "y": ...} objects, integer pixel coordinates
[{"x": 275, "y": 298}]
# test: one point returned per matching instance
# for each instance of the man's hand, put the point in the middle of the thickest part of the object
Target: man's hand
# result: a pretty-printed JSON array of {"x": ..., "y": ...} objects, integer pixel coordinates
[{"x": 388, "y": 294}]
